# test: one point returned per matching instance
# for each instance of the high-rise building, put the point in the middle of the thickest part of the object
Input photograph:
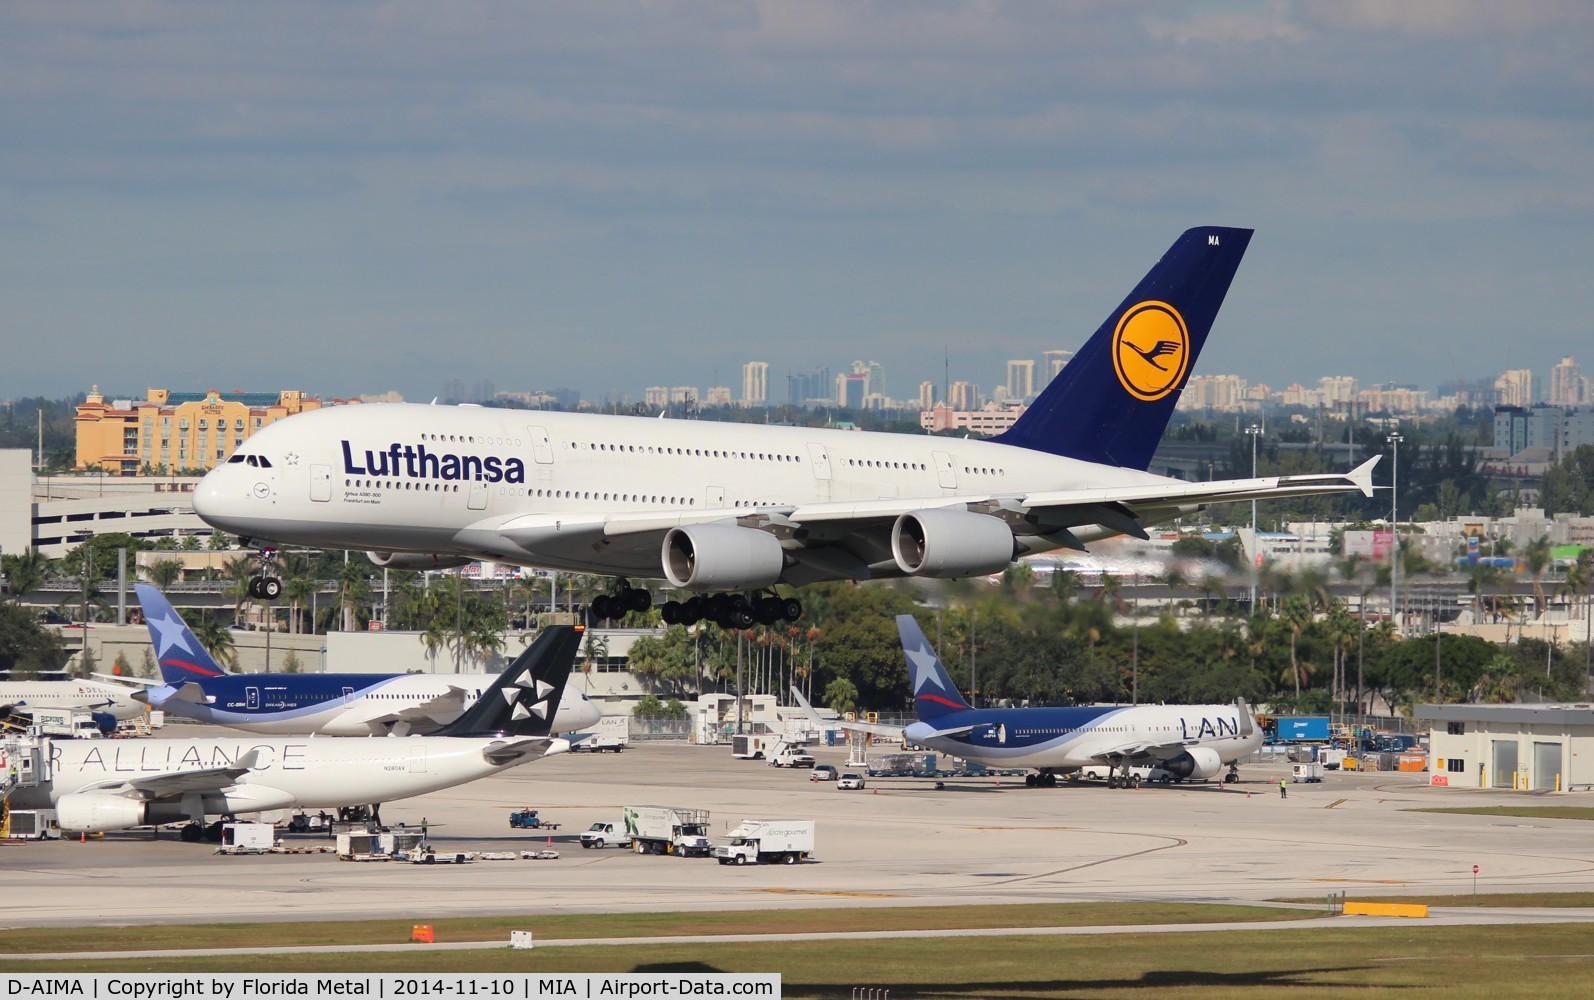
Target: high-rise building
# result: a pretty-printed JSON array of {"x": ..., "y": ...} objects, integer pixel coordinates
[
  {"x": 1336, "y": 390},
  {"x": 1052, "y": 363},
  {"x": 1515, "y": 387},
  {"x": 964, "y": 396},
  {"x": 807, "y": 388},
  {"x": 482, "y": 391},
  {"x": 875, "y": 374},
  {"x": 926, "y": 395},
  {"x": 454, "y": 391},
  {"x": 1566, "y": 384},
  {"x": 656, "y": 397},
  {"x": 718, "y": 395},
  {"x": 1020, "y": 379},
  {"x": 851, "y": 389},
  {"x": 755, "y": 383}
]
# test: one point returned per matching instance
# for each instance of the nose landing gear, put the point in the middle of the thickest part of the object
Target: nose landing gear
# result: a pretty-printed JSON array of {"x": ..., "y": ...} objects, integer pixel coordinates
[{"x": 265, "y": 585}]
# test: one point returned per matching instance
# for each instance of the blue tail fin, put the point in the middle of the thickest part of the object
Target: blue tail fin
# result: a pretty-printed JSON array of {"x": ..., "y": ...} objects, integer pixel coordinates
[
  {"x": 1111, "y": 402},
  {"x": 182, "y": 659},
  {"x": 934, "y": 694}
]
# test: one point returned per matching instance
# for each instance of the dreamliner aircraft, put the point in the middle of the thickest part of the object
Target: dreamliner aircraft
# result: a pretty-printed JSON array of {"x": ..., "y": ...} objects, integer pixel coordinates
[
  {"x": 96, "y": 785},
  {"x": 197, "y": 687},
  {"x": 727, "y": 510},
  {"x": 1189, "y": 741},
  {"x": 25, "y": 696}
]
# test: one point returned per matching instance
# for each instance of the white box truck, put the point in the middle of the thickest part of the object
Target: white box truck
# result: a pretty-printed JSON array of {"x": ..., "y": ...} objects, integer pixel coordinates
[
  {"x": 766, "y": 841},
  {"x": 73, "y": 723},
  {"x": 1312, "y": 771},
  {"x": 668, "y": 830},
  {"x": 613, "y": 732}
]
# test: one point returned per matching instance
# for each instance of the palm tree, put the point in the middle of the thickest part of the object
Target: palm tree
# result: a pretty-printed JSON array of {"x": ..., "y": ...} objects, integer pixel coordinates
[
  {"x": 354, "y": 589},
  {"x": 1537, "y": 557},
  {"x": 595, "y": 648},
  {"x": 216, "y": 639},
  {"x": 163, "y": 573},
  {"x": 24, "y": 572},
  {"x": 1296, "y": 615},
  {"x": 236, "y": 574}
]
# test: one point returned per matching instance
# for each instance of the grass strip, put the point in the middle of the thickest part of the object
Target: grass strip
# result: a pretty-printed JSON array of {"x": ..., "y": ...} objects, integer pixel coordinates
[
  {"x": 1405, "y": 959},
  {"x": 1506, "y": 900},
  {"x": 21, "y": 940}
]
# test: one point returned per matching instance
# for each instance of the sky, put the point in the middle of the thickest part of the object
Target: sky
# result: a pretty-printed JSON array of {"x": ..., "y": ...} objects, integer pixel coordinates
[{"x": 360, "y": 196}]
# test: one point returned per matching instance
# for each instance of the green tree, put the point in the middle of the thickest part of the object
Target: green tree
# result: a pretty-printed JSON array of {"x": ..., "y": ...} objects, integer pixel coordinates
[
  {"x": 163, "y": 573},
  {"x": 26, "y": 647},
  {"x": 213, "y": 636},
  {"x": 24, "y": 572},
  {"x": 841, "y": 695}
]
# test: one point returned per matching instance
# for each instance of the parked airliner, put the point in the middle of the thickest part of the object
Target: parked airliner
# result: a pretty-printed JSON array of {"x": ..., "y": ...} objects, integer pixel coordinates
[
  {"x": 197, "y": 687},
  {"x": 1188, "y": 741},
  {"x": 730, "y": 510},
  {"x": 25, "y": 696},
  {"x": 97, "y": 785}
]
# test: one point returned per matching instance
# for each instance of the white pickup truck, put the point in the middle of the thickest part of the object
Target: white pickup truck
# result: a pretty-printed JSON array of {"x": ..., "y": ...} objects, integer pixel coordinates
[{"x": 792, "y": 757}]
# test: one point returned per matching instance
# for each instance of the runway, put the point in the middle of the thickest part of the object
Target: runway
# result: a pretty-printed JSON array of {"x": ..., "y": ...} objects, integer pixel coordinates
[{"x": 896, "y": 843}]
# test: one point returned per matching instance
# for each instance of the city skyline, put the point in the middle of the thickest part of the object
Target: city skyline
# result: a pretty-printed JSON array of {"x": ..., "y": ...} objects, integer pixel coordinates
[{"x": 368, "y": 198}]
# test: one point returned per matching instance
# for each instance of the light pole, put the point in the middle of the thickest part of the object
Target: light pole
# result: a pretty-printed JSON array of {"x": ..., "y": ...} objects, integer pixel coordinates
[
  {"x": 1255, "y": 432},
  {"x": 1394, "y": 528}
]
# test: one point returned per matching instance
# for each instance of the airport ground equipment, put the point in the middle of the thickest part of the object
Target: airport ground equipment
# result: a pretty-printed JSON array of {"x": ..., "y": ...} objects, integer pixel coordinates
[
  {"x": 792, "y": 756},
  {"x": 1302, "y": 728},
  {"x": 605, "y": 835},
  {"x": 668, "y": 830},
  {"x": 612, "y": 733},
  {"x": 527, "y": 819},
  {"x": 766, "y": 841},
  {"x": 1312, "y": 771},
  {"x": 70, "y": 723}
]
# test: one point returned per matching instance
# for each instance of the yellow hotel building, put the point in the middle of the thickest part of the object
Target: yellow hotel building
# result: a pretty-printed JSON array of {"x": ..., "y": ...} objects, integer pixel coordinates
[{"x": 174, "y": 431}]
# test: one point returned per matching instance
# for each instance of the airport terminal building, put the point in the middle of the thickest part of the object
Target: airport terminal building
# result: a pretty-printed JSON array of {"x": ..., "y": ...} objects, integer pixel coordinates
[{"x": 1537, "y": 748}]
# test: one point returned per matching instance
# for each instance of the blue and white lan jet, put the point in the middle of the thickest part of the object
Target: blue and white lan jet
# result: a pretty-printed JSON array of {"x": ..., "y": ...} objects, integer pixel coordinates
[
  {"x": 197, "y": 687},
  {"x": 1188, "y": 741},
  {"x": 728, "y": 511}
]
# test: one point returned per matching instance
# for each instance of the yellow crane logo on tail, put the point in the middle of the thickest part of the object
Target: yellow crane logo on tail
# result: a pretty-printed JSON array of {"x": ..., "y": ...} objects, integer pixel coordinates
[{"x": 1151, "y": 350}]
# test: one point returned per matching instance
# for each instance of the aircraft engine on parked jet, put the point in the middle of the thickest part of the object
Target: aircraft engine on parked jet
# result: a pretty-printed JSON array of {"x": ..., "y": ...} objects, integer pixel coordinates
[
  {"x": 1196, "y": 762},
  {"x": 96, "y": 812}
]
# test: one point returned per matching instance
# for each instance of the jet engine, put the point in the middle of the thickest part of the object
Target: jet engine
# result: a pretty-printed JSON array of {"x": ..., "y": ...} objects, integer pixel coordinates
[
  {"x": 1196, "y": 762},
  {"x": 950, "y": 543},
  {"x": 722, "y": 557},
  {"x": 415, "y": 560},
  {"x": 95, "y": 812}
]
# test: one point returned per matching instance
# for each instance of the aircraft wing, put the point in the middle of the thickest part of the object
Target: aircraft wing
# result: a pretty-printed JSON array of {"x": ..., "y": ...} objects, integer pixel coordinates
[
  {"x": 873, "y": 729},
  {"x": 380, "y": 720},
  {"x": 127, "y": 682},
  {"x": 1142, "y": 753},
  {"x": 846, "y": 539},
  {"x": 178, "y": 783}
]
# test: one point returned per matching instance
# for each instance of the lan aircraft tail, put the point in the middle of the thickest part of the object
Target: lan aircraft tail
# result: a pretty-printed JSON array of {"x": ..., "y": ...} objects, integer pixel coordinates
[
  {"x": 183, "y": 660},
  {"x": 934, "y": 693},
  {"x": 1112, "y": 401}
]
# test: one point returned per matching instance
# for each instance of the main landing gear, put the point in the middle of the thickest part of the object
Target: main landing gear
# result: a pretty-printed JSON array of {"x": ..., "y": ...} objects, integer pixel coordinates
[
  {"x": 733, "y": 610},
  {"x": 724, "y": 610}
]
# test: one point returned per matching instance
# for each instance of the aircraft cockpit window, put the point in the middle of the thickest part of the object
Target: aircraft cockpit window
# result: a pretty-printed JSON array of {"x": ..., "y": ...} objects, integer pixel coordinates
[
  {"x": 265, "y": 463},
  {"x": 235, "y": 459},
  {"x": 252, "y": 460}
]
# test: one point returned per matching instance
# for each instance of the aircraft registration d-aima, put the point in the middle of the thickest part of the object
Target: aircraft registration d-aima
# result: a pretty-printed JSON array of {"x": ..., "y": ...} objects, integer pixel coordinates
[
  {"x": 197, "y": 687},
  {"x": 730, "y": 510},
  {"x": 97, "y": 785},
  {"x": 1188, "y": 741}
]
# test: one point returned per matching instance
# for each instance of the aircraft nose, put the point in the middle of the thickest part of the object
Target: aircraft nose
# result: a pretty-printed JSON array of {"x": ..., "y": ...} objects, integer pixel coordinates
[{"x": 213, "y": 502}]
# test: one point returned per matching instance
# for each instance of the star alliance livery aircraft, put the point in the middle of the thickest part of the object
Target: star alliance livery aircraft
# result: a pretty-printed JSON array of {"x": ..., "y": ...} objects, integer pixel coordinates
[
  {"x": 727, "y": 510},
  {"x": 309, "y": 704},
  {"x": 1189, "y": 741},
  {"x": 97, "y": 785}
]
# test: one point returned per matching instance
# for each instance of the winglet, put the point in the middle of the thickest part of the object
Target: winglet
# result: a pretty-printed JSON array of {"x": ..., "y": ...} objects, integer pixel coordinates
[
  {"x": 178, "y": 651},
  {"x": 934, "y": 693},
  {"x": 1362, "y": 476},
  {"x": 1247, "y": 724}
]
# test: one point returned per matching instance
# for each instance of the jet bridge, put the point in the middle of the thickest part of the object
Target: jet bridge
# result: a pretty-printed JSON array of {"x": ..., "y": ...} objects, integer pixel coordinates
[{"x": 24, "y": 763}]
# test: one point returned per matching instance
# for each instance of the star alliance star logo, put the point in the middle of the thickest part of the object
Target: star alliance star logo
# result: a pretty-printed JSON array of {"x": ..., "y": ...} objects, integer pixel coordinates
[{"x": 528, "y": 696}]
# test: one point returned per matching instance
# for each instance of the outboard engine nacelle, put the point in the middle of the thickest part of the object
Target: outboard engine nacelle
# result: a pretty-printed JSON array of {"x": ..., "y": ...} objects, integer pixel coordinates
[
  {"x": 722, "y": 557},
  {"x": 97, "y": 812},
  {"x": 416, "y": 560},
  {"x": 1197, "y": 762},
  {"x": 951, "y": 543}
]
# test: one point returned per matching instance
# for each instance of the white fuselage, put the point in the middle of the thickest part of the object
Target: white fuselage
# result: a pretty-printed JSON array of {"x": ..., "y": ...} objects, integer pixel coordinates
[
  {"x": 1068, "y": 738},
  {"x": 275, "y": 706},
  {"x": 451, "y": 480},
  {"x": 303, "y": 773},
  {"x": 26, "y": 695}
]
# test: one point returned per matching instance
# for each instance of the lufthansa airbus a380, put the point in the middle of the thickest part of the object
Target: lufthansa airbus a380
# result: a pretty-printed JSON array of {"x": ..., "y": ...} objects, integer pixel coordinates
[{"x": 730, "y": 510}]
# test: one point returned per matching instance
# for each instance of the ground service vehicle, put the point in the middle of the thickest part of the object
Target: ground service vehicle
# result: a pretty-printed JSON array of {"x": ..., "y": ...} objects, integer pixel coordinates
[
  {"x": 668, "y": 830},
  {"x": 749, "y": 747},
  {"x": 1137, "y": 775},
  {"x": 823, "y": 772},
  {"x": 1306, "y": 772},
  {"x": 766, "y": 841},
  {"x": 613, "y": 732},
  {"x": 850, "y": 780},
  {"x": 792, "y": 757},
  {"x": 1297, "y": 728},
  {"x": 604, "y": 835},
  {"x": 70, "y": 722},
  {"x": 527, "y": 819}
]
